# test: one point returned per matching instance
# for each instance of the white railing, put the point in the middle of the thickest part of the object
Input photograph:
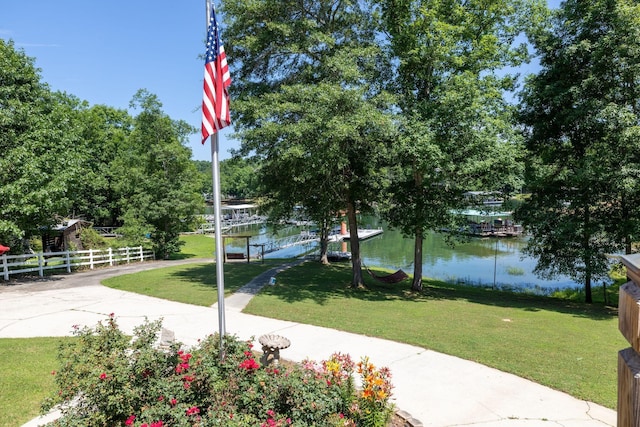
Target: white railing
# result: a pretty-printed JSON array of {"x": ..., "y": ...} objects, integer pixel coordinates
[{"x": 68, "y": 260}]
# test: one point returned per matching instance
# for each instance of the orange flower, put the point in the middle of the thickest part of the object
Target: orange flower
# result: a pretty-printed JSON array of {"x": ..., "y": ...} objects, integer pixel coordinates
[{"x": 367, "y": 393}]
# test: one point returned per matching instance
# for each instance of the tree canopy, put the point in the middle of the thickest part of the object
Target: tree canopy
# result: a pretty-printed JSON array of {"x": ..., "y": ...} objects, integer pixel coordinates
[
  {"x": 309, "y": 104},
  {"x": 40, "y": 154},
  {"x": 457, "y": 130},
  {"x": 62, "y": 158},
  {"x": 582, "y": 117}
]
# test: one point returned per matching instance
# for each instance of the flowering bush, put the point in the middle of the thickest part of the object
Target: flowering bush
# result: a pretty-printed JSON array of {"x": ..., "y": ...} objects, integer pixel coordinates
[{"x": 108, "y": 379}]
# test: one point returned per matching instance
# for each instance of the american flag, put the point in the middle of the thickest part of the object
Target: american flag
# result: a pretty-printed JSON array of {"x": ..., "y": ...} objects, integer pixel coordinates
[{"x": 215, "y": 99}]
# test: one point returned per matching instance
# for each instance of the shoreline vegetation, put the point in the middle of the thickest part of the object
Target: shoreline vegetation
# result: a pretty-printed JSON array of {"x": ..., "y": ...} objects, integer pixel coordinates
[{"x": 541, "y": 338}]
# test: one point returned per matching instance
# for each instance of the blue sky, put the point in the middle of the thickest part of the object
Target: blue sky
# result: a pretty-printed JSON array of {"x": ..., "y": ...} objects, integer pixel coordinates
[{"x": 104, "y": 51}]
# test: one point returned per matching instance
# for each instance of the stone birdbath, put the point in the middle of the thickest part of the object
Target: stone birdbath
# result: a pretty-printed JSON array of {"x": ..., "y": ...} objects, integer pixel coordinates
[{"x": 271, "y": 346}]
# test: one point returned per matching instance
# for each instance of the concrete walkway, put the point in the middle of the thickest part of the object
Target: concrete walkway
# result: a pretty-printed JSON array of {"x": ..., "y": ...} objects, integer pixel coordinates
[{"x": 436, "y": 389}]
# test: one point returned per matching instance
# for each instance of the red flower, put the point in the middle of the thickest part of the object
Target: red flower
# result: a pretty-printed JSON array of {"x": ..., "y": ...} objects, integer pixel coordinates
[
  {"x": 193, "y": 410},
  {"x": 173, "y": 402},
  {"x": 157, "y": 424},
  {"x": 249, "y": 365},
  {"x": 130, "y": 420},
  {"x": 103, "y": 376}
]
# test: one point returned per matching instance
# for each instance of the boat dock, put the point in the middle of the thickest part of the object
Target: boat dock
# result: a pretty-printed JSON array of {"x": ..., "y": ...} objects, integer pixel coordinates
[{"x": 363, "y": 234}]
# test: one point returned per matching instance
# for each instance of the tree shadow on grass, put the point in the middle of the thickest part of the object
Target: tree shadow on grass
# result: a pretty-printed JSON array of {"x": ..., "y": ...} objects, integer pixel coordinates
[
  {"x": 320, "y": 284},
  {"x": 236, "y": 275}
]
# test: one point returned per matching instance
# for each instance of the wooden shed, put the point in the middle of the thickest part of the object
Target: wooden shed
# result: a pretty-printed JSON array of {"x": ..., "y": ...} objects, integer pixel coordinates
[{"x": 64, "y": 236}]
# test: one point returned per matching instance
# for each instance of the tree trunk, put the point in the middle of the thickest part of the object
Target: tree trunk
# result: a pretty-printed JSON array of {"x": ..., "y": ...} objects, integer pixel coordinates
[
  {"x": 416, "y": 285},
  {"x": 356, "y": 262},
  {"x": 587, "y": 257},
  {"x": 324, "y": 243}
]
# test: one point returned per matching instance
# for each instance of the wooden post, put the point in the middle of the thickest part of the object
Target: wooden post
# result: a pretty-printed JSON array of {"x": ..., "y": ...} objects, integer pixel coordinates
[
  {"x": 629, "y": 358},
  {"x": 5, "y": 267},
  {"x": 40, "y": 264}
]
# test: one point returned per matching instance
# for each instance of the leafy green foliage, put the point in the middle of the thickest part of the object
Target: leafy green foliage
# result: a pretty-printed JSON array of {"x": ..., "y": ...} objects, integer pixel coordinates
[
  {"x": 582, "y": 113},
  {"x": 91, "y": 239},
  {"x": 106, "y": 378},
  {"x": 155, "y": 177},
  {"x": 38, "y": 142},
  {"x": 64, "y": 159}
]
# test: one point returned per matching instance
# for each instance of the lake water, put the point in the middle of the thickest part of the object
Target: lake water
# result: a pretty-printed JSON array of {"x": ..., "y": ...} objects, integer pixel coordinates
[{"x": 485, "y": 261}]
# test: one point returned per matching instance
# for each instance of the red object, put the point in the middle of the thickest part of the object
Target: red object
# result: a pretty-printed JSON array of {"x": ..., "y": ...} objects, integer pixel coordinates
[
  {"x": 4, "y": 249},
  {"x": 215, "y": 99}
]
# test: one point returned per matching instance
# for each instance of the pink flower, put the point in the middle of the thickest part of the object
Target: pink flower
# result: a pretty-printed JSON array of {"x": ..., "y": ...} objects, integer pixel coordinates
[
  {"x": 103, "y": 376},
  {"x": 173, "y": 402},
  {"x": 130, "y": 420},
  {"x": 157, "y": 424}
]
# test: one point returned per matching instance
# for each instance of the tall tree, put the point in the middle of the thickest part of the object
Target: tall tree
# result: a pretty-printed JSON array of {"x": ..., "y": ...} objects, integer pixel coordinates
[
  {"x": 104, "y": 133},
  {"x": 308, "y": 102},
  {"x": 159, "y": 193},
  {"x": 582, "y": 113},
  {"x": 457, "y": 132},
  {"x": 40, "y": 158}
]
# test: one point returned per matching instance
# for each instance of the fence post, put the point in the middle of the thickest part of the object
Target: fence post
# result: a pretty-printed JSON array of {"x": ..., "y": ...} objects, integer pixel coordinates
[
  {"x": 91, "y": 259},
  {"x": 40, "y": 263},
  {"x": 68, "y": 261},
  {"x": 141, "y": 254},
  {"x": 126, "y": 252},
  {"x": 5, "y": 267},
  {"x": 110, "y": 257}
]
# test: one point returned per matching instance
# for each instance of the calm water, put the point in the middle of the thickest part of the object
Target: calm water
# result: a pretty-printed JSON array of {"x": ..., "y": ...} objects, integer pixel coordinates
[{"x": 479, "y": 261}]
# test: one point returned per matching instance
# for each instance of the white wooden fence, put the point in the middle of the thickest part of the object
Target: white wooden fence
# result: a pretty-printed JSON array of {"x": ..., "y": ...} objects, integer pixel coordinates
[{"x": 68, "y": 260}]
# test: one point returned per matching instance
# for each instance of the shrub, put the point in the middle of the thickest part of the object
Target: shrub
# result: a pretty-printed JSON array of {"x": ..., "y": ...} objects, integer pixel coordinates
[
  {"x": 91, "y": 239},
  {"x": 108, "y": 379}
]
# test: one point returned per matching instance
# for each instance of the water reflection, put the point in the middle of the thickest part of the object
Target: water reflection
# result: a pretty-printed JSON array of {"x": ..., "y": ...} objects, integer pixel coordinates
[{"x": 486, "y": 261}]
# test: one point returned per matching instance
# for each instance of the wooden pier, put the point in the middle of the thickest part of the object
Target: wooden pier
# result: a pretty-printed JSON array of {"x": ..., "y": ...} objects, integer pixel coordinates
[{"x": 363, "y": 234}]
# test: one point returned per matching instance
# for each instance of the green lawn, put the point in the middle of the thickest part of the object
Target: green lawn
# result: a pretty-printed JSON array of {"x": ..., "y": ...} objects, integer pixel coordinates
[
  {"x": 196, "y": 246},
  {"x": 25, "y": 377},
  {"x": 191, "y": 283},
  {"x": 562, "y": 344}
]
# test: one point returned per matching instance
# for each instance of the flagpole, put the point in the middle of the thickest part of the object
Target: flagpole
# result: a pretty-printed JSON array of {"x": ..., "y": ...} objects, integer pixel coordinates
[{"x": 215, "y": 167}]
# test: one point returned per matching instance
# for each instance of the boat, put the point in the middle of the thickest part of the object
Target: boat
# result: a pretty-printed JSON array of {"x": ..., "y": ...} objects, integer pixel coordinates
[{"x": 336, "y": 256}]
